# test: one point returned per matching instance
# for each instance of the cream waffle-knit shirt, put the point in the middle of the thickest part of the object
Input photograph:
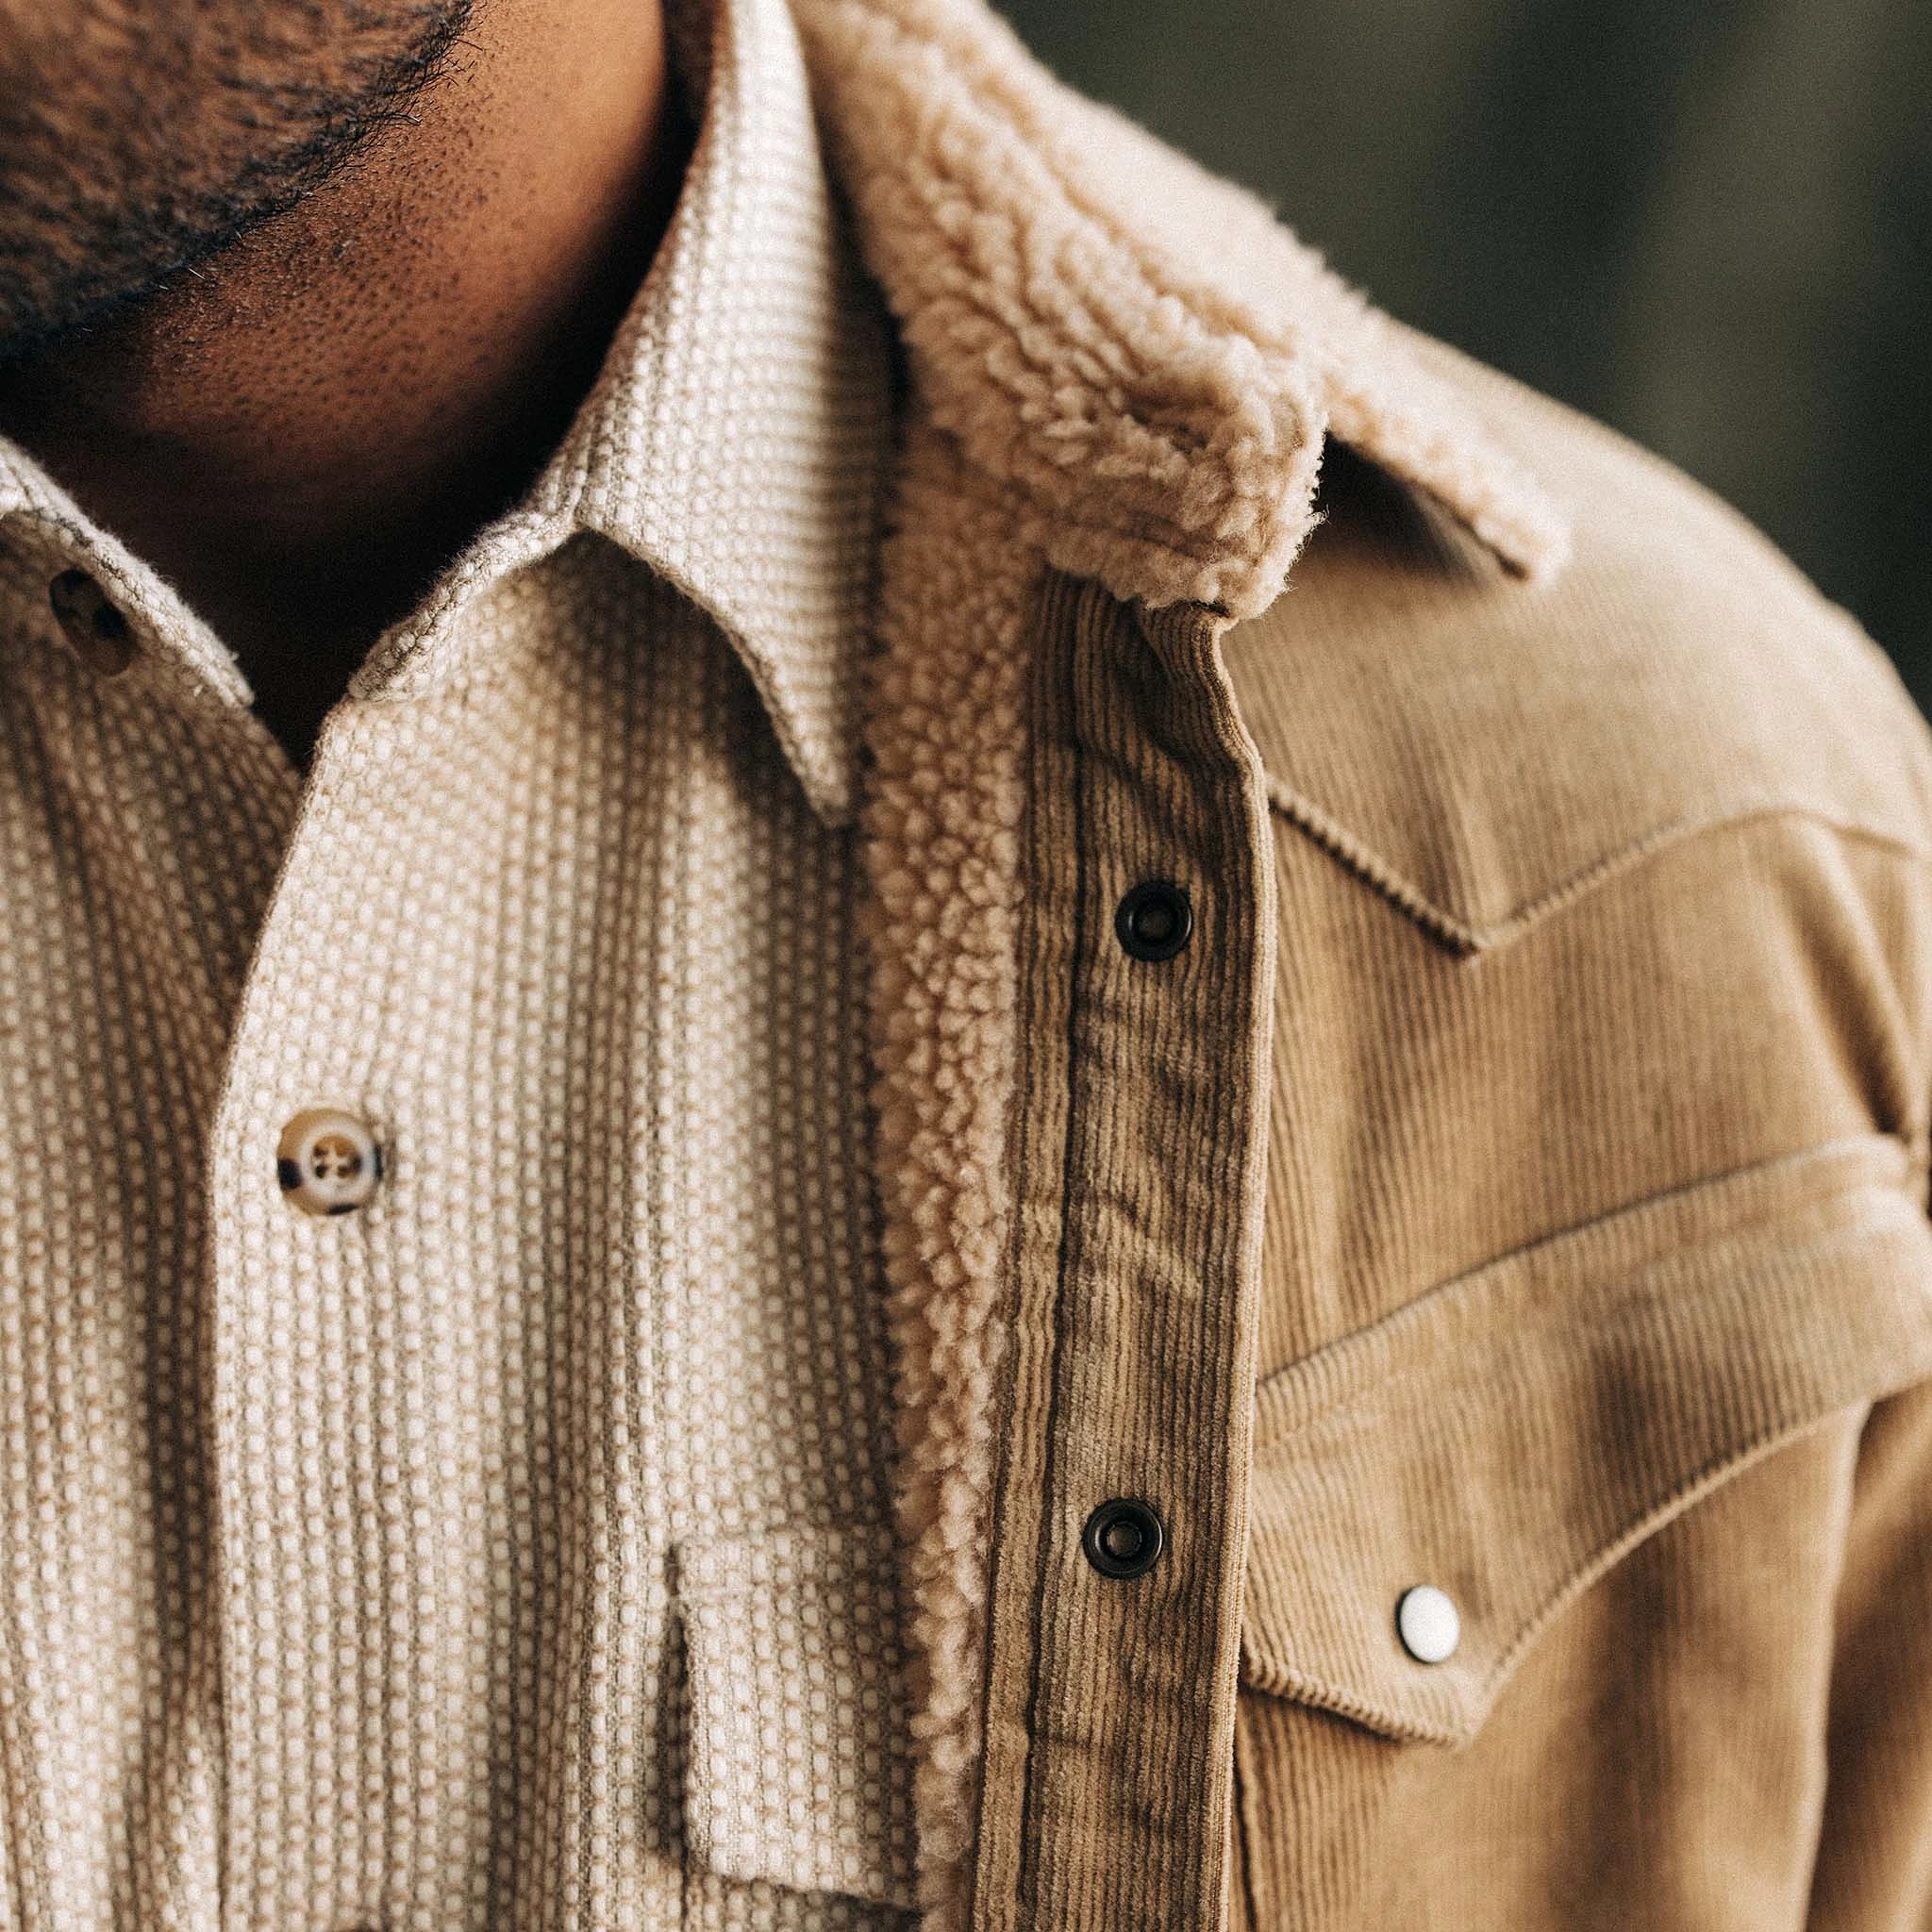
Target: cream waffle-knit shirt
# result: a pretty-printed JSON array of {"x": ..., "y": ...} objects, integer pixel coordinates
[{"x": 512, "y": 1551}]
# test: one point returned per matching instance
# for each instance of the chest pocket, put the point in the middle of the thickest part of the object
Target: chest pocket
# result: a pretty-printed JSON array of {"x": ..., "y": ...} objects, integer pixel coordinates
[
  {"x": 798, "y": 1768},
  {"x": 1508, "y": 1437}
]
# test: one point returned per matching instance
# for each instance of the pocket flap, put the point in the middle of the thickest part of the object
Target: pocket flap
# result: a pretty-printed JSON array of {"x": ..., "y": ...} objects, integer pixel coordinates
[
  {"x": 1509, "y": 1435},
  {"x": 798, "y": 1764}
]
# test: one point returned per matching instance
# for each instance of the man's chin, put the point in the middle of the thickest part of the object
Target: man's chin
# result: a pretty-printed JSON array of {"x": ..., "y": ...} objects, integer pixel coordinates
[
  {"x": 92, "y": 234},
  {"x": 39, "y": 320}
]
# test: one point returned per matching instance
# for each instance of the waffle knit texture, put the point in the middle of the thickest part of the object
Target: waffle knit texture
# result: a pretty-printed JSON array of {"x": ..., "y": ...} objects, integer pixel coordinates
[{"x": 517, "y": 1551}]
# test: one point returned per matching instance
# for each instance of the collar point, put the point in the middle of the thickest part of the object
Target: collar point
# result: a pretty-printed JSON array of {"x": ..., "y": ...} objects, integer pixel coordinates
[{"x": 830, "y": 783}]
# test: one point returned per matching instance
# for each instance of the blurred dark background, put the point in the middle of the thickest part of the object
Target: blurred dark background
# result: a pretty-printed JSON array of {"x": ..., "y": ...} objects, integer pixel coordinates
[{"x": 1710, "y": 224}]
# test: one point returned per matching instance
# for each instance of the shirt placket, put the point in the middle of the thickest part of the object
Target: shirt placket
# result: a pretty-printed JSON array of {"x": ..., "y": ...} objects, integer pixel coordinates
[
  {"x": 389, "y": 1515},
  {"x": 1139, "y": 1146},
  {"x": 312, "y": 1423}
]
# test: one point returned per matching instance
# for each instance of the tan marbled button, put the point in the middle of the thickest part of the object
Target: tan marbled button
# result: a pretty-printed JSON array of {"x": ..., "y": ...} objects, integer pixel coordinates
[
  {"x": 328, "y": 1161},
  {"x": 92, "y": 622}
]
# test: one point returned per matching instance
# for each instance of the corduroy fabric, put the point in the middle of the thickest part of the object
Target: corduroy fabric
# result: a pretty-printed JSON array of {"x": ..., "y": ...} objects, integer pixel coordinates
[
  {"x": 1139, "y": 1183},
  {"x": 1555, "y": 757}
]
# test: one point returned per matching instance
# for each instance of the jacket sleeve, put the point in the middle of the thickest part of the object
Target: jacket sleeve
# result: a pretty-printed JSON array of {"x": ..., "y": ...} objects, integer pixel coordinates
[{"x": 1873, "y": 1870}]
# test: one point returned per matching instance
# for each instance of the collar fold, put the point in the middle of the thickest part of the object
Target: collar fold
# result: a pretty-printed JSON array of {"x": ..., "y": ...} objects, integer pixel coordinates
[
  {"x": 738, "y": 437},
  {"x": 1139, "y": 349}
]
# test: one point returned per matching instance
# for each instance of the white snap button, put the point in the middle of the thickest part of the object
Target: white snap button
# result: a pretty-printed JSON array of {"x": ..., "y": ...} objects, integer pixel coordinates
[
  {"x": 328, "y": 1161},
  {"x": 93, "y": 625},
  {"x": 1427, "y": 1622}
]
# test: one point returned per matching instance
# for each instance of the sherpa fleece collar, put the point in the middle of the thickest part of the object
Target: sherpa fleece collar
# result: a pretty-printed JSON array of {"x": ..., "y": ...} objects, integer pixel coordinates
[{"x": 1136, "y": 348}]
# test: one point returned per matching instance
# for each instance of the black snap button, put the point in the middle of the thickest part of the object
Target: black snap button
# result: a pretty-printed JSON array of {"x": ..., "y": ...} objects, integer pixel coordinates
[
  {"x": 1155, "y": 920},
  {"x": 93, "y": 625},
  {"x": 1124, "y": 1537}
]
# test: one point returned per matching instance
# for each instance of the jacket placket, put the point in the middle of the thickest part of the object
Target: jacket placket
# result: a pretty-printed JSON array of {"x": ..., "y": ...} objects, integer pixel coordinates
[{"x": 1138, "y": 1150}]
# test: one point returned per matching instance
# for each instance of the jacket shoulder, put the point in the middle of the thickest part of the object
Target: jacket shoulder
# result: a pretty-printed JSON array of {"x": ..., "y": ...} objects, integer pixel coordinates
[{"x": 1484, "y": 749}]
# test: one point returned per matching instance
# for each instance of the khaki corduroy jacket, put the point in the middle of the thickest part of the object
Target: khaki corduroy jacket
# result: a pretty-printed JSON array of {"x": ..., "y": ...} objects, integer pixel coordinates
[{"x": 1514, "y": 1185}]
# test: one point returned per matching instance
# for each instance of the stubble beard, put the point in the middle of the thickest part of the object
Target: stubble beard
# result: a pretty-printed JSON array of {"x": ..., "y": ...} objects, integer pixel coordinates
[{"x": 138, "y": 141}]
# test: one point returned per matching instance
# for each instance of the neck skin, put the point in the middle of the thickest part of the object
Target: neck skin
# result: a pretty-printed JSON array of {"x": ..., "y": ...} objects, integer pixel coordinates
[{"x": 303, "y": 434}]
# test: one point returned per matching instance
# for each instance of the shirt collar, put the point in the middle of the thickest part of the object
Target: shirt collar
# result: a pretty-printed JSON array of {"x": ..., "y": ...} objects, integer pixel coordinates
[
  {"x": 1137, "y": 356},
  {"x": 736, "y": 440}
]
